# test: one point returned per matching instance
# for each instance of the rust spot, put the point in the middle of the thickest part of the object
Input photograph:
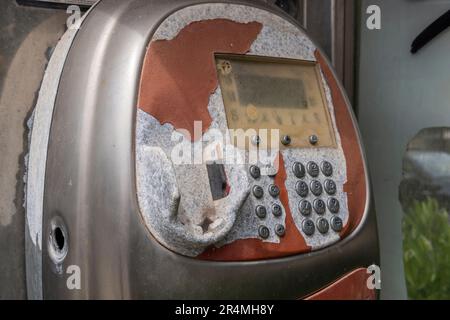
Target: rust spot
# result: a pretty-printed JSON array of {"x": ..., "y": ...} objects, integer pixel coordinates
[
  {"x": 253, "y": 249},
  {"x": 356, "y": 185},
  {"x": 351, "y": 287},
  {"x": 179, "y": 75}
]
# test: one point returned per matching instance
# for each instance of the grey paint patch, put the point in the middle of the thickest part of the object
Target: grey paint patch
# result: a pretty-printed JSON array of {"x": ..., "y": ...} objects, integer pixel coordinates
[{"x": 159, "y": 201}]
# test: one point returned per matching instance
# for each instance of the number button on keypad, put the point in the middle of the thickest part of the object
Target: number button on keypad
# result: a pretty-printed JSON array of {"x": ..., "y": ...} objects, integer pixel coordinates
[
  {"x": 316, "y": 188},
  {"x": 302, "y": 189},
  {"x": 305, "y": 208},
  {"x": 299, "y": 170},
  {"x": 327, "y": 169},
  {"x": 308, "y": 227},
  {"x": 313, "y": 169},
  {"x": 333, "y": 205},
  {"x": 330, "y": 187},
  {"x": 319, "y": 206}
]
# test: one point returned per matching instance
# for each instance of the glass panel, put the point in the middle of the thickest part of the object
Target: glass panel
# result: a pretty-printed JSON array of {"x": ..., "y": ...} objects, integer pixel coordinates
[{"x": 271, "y": 93}]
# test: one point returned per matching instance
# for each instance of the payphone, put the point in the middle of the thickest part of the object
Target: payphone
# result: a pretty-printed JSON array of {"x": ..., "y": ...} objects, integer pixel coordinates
[{"x": 196, "y": 149}]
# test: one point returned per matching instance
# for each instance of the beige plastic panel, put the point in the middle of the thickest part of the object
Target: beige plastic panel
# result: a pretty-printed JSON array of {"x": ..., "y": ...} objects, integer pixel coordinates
[{"x": 272, "y": 93}]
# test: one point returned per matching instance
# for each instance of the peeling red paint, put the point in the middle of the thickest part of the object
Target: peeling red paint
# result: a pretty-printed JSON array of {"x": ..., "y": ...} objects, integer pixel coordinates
[{"x": 179, "y": 75}]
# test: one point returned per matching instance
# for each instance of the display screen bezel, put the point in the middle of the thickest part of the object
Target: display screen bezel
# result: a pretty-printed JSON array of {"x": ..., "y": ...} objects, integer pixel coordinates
[{"x": 299, "y": 133}]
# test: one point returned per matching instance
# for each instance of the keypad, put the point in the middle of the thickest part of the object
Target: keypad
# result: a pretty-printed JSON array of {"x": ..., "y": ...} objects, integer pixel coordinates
[
  {"x": 317, "y": 182},
  {"x": 317, "y": 203},
  {"x": 268, "y": 211}
]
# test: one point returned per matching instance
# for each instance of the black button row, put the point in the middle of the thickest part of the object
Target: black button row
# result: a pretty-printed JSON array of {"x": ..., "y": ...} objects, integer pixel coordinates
[
  {"x": 261, "y": 211},
  {"x": 258, "y": 191},
  {"x": 299, "y": 170},
  {"x": 264, "y": 232},
  {"x": 322, "y": 225},
  {"x": 313, "y": 169},
  {"x": 319, "y": 206},
  {"x": 316, "y": 188}
]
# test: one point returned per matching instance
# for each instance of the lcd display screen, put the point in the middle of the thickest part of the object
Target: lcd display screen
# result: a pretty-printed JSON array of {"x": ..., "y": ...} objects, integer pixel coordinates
[{"x": 273, "y": 93}]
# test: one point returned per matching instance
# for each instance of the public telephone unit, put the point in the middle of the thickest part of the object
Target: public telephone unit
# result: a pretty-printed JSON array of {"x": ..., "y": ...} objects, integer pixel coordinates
[{"x": 197, "y": 150}]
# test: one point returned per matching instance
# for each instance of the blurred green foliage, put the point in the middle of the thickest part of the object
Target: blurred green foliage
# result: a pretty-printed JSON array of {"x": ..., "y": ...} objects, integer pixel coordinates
[{"x": 426, "y": 251}]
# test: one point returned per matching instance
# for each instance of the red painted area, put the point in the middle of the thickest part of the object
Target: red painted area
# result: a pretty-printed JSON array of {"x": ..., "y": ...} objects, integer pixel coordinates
[
  {"x": 254, "y": 249},
  {"x": 179, "y": 75},
  {"x": 351, "y": 287},
  {"x": 355, "y": 187}
]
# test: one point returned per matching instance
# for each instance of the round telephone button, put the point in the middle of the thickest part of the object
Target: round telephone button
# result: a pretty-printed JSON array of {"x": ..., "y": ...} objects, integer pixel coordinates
[
  {"x": 330, "y": 187},
  {"x": 319, "y": 206},
  {"x": 255, "y": 172},
  {"x": 286, "y": 140},
  {"x": 299, "y": 170},
  {"x": 261, "y": 212},
  {"x": 305, "y": 208},
  {"x": 276, "y": 210},
  {"x": 322, "y": 225},
  {"x": 258, "y": 192},
  {"x": 327, "y": 169},
  {"x": 314, "y": 139},
  {"x": 274, "y": 191},
  {"x": 280, "y": 230},
  {"x": 333, "y": 205},
  {"x": 313, "y": 169},
  {"x": 264, "y": 232},
  {"x": 302, "y": 189},
  {"x": 337, "y": 224},
  {"x": 316, "y": 188},
  {"x": 308, "y": 227}
]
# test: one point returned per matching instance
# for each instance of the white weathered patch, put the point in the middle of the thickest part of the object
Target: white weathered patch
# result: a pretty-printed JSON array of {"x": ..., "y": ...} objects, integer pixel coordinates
[{"x": 278, "y": 38}]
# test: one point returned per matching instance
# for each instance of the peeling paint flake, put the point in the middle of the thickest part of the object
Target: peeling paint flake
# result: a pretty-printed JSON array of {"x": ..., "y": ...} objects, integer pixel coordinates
[{"x": 179, "y": 75}]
